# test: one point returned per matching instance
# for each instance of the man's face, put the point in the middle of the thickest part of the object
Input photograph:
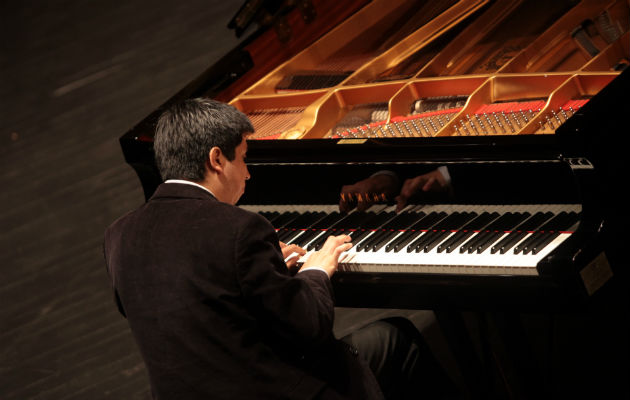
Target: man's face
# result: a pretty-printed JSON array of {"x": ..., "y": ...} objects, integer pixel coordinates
[{"x": 236, "y": 173}]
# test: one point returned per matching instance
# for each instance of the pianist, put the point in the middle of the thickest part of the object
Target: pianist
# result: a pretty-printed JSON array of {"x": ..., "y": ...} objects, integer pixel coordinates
[{"x": 210, "y": 301}]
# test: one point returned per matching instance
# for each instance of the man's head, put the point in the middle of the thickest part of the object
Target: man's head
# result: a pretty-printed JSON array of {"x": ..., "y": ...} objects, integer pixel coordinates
[{"x": 203, "y": 140}]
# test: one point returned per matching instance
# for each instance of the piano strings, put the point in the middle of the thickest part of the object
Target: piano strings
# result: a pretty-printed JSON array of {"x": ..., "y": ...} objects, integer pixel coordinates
[
  {"x": 270, "y": 123},
  {"x": 428, "y": 116}
]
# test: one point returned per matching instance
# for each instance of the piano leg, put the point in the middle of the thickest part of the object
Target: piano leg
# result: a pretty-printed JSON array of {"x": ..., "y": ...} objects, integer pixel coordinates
[
  {"x": 474, "y": 372},
  {"x": 515, "y": 356}
]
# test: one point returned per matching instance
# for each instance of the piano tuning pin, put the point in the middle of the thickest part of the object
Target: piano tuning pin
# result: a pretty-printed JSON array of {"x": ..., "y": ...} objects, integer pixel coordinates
[
  {"x": 425, "y": 125},
  {"x": 515, "y": 118},
  {"x": 508, "y": 122},
  {"x": 389, "y": 129},
  {"x": 550, "y": 122},
  {"x": 556, "y": 117},
  {"x": 472, "y": 124},
  {"x": 490, "y": 124},
  {"x": 523, "y": 116},
  {"x": 532, "y": 113}
]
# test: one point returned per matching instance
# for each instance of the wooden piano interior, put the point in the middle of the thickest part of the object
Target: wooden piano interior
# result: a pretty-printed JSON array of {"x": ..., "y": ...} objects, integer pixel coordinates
[{"x": 456, "y": 68}]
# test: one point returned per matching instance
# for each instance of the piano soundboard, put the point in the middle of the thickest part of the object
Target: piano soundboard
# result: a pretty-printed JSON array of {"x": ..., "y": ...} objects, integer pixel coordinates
[{"x": 431, "y": 239}]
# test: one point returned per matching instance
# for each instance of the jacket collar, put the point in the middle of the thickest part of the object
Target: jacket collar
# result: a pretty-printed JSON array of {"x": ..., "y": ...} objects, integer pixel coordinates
[{"x": 181, "y": 190}]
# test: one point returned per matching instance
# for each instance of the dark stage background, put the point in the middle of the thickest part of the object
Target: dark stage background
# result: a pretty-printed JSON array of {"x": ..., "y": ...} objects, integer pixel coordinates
[{"x": 75, "y": 76}]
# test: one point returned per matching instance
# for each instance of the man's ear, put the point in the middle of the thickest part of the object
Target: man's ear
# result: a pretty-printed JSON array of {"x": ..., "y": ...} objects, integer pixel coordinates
[{"x": 215, "y": 159}]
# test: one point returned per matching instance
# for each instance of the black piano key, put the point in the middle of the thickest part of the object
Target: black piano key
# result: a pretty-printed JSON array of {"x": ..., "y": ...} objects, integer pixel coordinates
[
  {"x": 435, "y": 230},
  {"x": 342, "y": 227},
  {"x": 296, "y": 223},
  {"x": 319, "y": 227},
  {"x": 270, "y": 215},
  {"x": 384, "y": 229},
  {"x": 305, "y": 237},
  {"x": 418, "y": 239},
  {"x": 300, "y": 225},
  {"x": 464, "y": 218},
  {"x": 469, "y": 230},
  {"x": 508, "y": 242},
  {"x": 369, "y": 241},
  {"x": 511, "y": 223},
  {"x": 532, "y": 223},
  {"x": 540, "y": 238},
  {"x": 402, "y": 240},
  {"x": 436, "y": 240},
  {"x": 369, "y": 225},
  {"x": 359, "y": 237},
  {"x": 535, "y": 236},
  {"x": 417, "y": 229},
  {"x": 384, "y": 239},
  {"x": 552, "y": 231},
  {"x": 284, "y": 234},
  {"x": 543, "y": 243},
  {"x": 472, "y": 244},
  {"x": 393, "y": 228},
  {"x": 494, "y": 230},
  {"x": 454, "y": 240},
  {"x": 284, "y": 219},
  {"x": 491, "y": 238},
  {"x": 317, "y": 243},
  {"x": 503, "y": 223}
]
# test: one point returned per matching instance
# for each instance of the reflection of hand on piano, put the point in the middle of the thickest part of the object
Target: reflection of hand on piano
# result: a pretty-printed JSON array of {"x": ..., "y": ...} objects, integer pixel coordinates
[
  {"x": 436, "y": 181},
  {"x": 383, "y": 186},
  {"x": 363, "y": 194}
]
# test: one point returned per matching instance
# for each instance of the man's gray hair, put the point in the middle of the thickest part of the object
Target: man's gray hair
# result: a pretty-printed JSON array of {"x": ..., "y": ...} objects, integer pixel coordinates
[{"x": 187, "y": 131}]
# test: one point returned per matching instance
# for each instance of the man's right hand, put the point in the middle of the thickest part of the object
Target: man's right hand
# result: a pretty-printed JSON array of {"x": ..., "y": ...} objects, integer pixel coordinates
[{"x": 328, "y": 257}]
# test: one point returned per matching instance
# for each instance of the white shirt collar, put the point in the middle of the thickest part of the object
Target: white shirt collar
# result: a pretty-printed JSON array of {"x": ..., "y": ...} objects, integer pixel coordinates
[{"x": 182, "y": 181}]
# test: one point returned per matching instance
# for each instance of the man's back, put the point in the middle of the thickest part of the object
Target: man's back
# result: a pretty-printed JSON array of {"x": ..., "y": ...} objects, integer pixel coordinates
[{"x": 210, "y": 302}]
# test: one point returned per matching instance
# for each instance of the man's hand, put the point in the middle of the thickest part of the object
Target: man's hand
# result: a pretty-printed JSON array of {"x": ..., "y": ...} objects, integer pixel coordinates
[
  {"x": 433, "y": 182},
  {"x": 361, "y": 194},
  {"x": 328, "y": 257},
  {"x": 291, "y": 254}
]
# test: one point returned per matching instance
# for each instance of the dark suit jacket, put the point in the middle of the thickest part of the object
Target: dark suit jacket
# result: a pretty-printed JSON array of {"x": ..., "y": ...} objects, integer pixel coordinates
[{"x": 213, "y": 308}]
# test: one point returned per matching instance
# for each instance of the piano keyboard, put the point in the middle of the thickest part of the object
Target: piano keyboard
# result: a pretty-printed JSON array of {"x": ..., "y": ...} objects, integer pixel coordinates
[{"x": 441, "y": 239}]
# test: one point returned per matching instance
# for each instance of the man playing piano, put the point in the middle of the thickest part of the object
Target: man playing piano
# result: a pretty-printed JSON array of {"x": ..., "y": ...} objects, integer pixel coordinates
[{"x": 214, "y": 308}]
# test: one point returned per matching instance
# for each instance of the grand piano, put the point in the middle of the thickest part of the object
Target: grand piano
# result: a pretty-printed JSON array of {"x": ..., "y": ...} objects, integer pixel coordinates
[{"x": 521, "y": 101}]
